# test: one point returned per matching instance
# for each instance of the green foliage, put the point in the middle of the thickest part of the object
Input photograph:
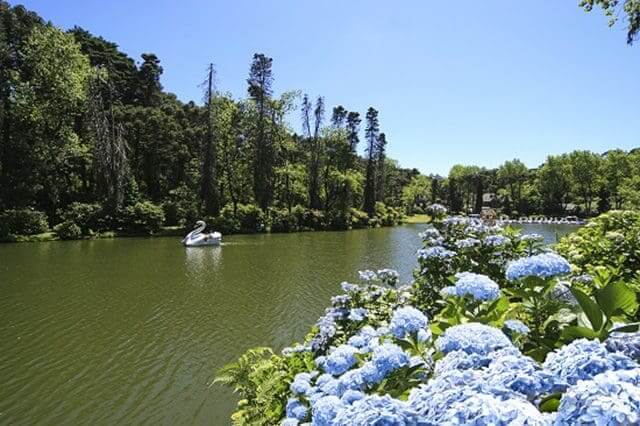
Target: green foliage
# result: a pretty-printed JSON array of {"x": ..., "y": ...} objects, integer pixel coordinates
[
  {"x": 68, "y": 230},
  {"x": 144, "y": 217},
  {"x": 180, "y": 207},
  {"x": 261, "y": 379},
  {"x": 22, "y": 222},
  {"x": 87, "y": 216},
  {"x": 611, "y": 8},
  {"x": 611, "y": 239}
]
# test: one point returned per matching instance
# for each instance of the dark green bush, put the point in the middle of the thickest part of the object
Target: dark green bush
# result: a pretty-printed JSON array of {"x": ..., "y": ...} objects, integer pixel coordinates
[
  {"x": 68, "y": 230},
  {"x": 309, "y": 219},
  {"x": 144, "y": 217},
  {"x": 282, "y": 221},
  {"x": 180, "y": 207},
  {"x": 359, "y": 219},
  {"x": 89, "y": 217},
  {"x": 22, "y": 222},
  {"x": 251, "y": 218}
]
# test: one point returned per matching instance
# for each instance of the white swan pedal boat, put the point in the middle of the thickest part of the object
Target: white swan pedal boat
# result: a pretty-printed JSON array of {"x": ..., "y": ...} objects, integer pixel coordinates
[{"x": 196, "y": 238}]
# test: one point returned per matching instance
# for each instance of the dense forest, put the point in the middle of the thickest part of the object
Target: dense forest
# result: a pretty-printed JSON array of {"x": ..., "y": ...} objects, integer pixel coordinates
[{"x": 90, "y": 141}]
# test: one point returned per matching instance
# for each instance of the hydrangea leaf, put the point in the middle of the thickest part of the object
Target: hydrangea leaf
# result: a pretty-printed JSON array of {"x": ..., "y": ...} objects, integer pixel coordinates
[
  {"x": 589, "y": 307},
  {"x": 616, "y": 298}
]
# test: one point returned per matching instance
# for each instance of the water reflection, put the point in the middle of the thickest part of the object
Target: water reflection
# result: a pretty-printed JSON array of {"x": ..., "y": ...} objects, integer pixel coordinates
[{"x": 202, "y": 261}]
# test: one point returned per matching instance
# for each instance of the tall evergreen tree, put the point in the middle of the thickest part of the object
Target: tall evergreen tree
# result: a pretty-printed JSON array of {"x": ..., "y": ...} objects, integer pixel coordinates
[
  {"x": 149, "y": 79},
  {"x": 315, "y": 156},
  {"x": 381, "y": 158},
  {"x": 209, "y": 188},
  {"x": 260, "y": 89},
  {"x": 353, "y": 128},
  {"x": 339, "y": 116},
  {"x": 372, "y": 132}
]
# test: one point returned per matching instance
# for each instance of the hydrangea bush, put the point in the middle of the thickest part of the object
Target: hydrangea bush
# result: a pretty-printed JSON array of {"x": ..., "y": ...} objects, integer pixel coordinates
[{"x": 494, "y": 329}]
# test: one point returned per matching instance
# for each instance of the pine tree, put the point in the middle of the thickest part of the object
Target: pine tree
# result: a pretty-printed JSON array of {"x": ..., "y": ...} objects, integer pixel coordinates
[
  {"x": 371, "y": 136},
  {"x": 381, "y": 148},
  {"x": 260, "y": 89},
  {"x": 209, "y": 189}
]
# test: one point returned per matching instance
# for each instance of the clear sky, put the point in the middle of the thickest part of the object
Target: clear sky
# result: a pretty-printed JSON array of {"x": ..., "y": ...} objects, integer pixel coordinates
[{"x": 471, "y": 82}]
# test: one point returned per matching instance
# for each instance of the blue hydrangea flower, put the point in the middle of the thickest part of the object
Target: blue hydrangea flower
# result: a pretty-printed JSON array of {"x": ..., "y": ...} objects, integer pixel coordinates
[
  {"x": 340, "y": 360},
  {"x": 348, "y": 287},
  {"x": 606, "y": 399},
  {"x": 460, "y": 360},
  {"x": 357, "y": 314},
  {"x": 437, "y": 209},
  {"x": 467, "y": 243},
  {"x": 290, "y": 422},
  {"x": 516, "y": 326},
  {"x": 429, "y": 233},
  {"x": 365, "y": 338},
  {"x": 385, "y": 358},
  {"x": 480, "y": 409},
  {"x": 543, "y": 265},
  {"x": 367, "y": 275},
  {"x": 301, "y": 383},
  {"x": 479, "y": 287},
  {"x": 296, "y": 409},
  {"x": 330, "y": 386},
  {"x": 340, "y": 300},
  {"x": 407, "y": 321},
  {"x": 627, "y": 343},
  {"x": 353, "y": 379},
  {"x": 438, "y": 252},
  {"x": 495, "y": 240},
  {"x": 350, "y": 396},
  {"x": 325, "y": 409},
  {"x": 472, "y": 338},
  {"x": 583, "y": 359},
  {"x": 377, "y": 410},
  {"x": 517, "y": 373},
  {"x": 388, "y": 276}
]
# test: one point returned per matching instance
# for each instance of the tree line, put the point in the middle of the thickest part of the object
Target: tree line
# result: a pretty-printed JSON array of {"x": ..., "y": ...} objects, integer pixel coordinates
[
  {"x": 86, "y": 128},
  {"x": 580, "y": 182}
]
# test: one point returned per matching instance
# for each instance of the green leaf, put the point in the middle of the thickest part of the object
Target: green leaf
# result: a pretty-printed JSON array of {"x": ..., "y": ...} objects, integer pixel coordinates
[
  {"x": 572, "y": 333},
  {"x": 589, "y": 307},
  {"x": 627, "y": 328},
  {"x": 617, "y": 297},
  {"x": 550, "y": 403}
]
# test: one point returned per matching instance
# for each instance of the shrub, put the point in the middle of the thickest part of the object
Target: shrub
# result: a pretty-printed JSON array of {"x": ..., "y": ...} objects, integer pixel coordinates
[
  {"x": 359, "y": 219},
  {"x": 22, "y": 222},
  {"x": 282, "y": 220},
  {"x": 611, "y": 238},
  {"x": 145, "y": 217},
  {"x": 68, "y": 230},
  {"x": 309, "y": 219},
  {"x": 88, "y": 217}
]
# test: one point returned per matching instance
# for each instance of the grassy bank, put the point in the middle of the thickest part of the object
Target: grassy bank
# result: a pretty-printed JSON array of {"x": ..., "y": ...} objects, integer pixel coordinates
[{"x": 417, "y": 218}]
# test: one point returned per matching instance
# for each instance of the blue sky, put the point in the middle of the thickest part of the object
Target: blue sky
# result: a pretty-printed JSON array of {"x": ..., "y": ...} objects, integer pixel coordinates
[{"x": 471, "y": 82}]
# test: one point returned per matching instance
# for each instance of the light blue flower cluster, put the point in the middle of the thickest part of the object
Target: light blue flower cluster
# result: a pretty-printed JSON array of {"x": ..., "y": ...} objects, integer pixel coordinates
[
  {"x": 531, "y": 238},
  {"x": 472, "y": 338},
  {"x": 296, "y": 409},
  {"x": 348, "y": 287},
  {"x": 388, "y": 276},
  {"x": 516, "y": 326},
  {"x": 301, "y": 383},
  {"x": 357, "y": 314},
  {"x": 429, "y": 233},
  {"x": 467, "y": 243},
  {"x": 407, "y": 321},
  {"x": 325, "y": 409},
  {"x": 476, "y": 286},
  {"x": 385, "y": 358},
  {"x": 481, "y": 409},
  {"x": 340, "y": 360},
  {"x": 437, "y": 209},
  {"x": 610, "y": 398},
  {"x": 436, "y": 252},
  {"x": 543, "y": 265},
  {"x": 495, "y": 240},
  {"x": 377, "y": 410},
  {"x": 367, "y": 275},
  {"x": 583, "y": 359},
  {"x": 627, "y": 343}
]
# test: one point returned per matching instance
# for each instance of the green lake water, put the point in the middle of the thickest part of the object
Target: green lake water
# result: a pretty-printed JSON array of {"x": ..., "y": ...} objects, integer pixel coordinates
[{"x": 132, "y": 330}]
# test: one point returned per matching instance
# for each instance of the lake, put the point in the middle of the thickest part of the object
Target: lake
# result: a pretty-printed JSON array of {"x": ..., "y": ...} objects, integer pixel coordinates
[{"x": 132, "y": 330}]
